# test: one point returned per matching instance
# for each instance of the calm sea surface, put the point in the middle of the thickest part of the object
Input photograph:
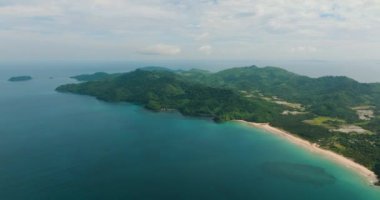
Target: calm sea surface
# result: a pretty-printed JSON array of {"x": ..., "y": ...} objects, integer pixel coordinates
[{"x": 63, "y": 146}]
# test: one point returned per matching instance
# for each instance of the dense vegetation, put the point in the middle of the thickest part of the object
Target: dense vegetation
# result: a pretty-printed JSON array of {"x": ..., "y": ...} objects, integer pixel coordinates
[
  {"x": 326, "y": 96},
  {"x": 163, "y": 90},
  {"x": 20, "y": 78},
  {"x": 251, "y": 93}
]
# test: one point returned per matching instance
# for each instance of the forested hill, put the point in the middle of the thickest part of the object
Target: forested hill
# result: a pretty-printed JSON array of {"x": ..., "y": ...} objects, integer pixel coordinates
[
  {"x": 338, "y": 113},
  {"x": 165, "y": 90},
  {"x": 330, "y": 96}
]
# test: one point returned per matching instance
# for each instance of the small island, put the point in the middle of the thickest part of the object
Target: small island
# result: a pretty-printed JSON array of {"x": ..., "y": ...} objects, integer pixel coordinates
[{"x": 20, "y": 78}]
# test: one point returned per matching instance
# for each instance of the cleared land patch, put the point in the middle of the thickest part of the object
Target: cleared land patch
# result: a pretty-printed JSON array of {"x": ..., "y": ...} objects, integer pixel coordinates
[{"x": 337, "y": 125}]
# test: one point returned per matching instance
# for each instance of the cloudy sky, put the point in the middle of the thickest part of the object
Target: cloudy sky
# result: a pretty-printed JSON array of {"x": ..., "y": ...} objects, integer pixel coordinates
[{"x": 190, "y": 29}]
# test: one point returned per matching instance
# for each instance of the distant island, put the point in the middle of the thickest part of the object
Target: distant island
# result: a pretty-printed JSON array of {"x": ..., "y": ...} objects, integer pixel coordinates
[
  {"x": 337, "y": 114},
  {"x": 20, "y": 78},
  {"x": 90, "y": 77}
]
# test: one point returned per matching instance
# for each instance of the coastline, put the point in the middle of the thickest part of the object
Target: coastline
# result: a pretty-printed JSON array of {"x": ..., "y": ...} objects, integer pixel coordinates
[{"x": 360, "y": 169}]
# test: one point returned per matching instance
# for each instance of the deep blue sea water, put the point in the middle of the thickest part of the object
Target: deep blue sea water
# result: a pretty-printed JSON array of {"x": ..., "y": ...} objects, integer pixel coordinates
[{"x": 63, "y": 146}]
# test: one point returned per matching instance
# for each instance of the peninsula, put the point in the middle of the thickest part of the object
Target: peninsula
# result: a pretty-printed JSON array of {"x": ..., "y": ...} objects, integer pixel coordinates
[{"x": 335, "y": 116}]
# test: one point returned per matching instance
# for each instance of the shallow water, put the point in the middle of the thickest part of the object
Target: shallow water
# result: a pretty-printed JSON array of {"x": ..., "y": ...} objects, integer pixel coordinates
[{"x": 64, "y": 146}]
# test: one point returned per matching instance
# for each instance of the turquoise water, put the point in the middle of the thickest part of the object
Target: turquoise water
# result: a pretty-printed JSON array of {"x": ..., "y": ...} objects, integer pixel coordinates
[{"x": 63, "y": 146}]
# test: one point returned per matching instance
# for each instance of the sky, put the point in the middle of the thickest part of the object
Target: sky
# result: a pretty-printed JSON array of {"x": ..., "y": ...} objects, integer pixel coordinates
[{"x": 189, "y": 29}]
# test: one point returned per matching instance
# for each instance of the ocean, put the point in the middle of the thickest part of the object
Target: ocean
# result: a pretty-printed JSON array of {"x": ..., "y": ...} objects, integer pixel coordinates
[{"x": 64, "y": 146}]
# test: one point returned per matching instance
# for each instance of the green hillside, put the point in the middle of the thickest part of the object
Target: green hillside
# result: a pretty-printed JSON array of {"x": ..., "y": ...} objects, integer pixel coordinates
[
  {"x": 327, "y": 96},
  {"x": 164, "y": 90}
]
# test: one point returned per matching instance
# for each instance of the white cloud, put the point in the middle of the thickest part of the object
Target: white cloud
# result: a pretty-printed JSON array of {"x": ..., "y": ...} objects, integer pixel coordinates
[
  {"x": 29, "y": 10},
  {"x": 160, "y": 49},
  {"x": 259, "y": 29},
  {"x": 203, "y": 37},
  {"x": 302, "y": 49},
  {"x": 206, "y": 49}
]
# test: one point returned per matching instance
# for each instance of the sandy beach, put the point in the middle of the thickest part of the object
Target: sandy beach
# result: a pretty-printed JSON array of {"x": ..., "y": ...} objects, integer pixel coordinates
[{"x": 368, "y": 174}]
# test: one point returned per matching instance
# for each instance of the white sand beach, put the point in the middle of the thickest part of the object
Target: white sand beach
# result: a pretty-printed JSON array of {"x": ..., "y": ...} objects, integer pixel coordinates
[{"x": 368, "y": 174}]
